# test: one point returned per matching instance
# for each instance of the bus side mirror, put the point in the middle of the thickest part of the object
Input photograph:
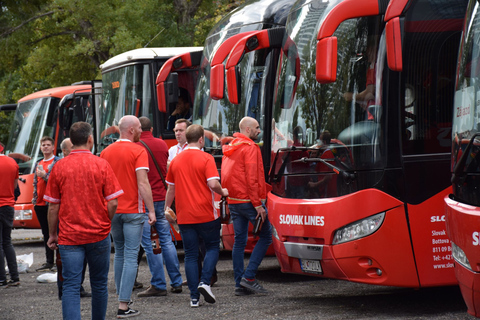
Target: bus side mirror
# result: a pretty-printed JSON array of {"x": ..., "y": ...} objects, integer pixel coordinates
[
  {"x": 234, "y": 77},
  {"x": 394, "y": 44},
  {"x": 217, "y": 81},
  {"x": 326, "y": 60},
  {"x": 167, "y": 92}
]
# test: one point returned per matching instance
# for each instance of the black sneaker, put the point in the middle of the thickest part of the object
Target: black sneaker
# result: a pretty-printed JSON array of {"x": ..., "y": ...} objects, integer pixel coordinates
[
  {"x": 13, "y": 283},
  {"x": 252, "y": 285},
  {"x": 121, "y": 314},
  {"x": 176, "y": 289},
  {"x": 45, "y": 267},
  {"x": 3, "y": 283},
  {"x": 137, "y": 285},
  {"x": 241, "y": 291}
]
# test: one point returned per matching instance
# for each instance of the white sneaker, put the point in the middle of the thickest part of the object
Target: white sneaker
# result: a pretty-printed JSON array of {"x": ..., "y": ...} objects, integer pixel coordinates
[
  {"x": 194, "y": 303},
  {"x": 206, "y": 292}
]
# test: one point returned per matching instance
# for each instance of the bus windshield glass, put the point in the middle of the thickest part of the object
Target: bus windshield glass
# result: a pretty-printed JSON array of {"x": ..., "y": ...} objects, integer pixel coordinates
[
  {"x": 28, "y": 127},
  {"x": 126, "y": 91},
  {"x": 323, "y": 135},
  {"x": 221, "y": 118},
  {"x": 466, "y": 114}
]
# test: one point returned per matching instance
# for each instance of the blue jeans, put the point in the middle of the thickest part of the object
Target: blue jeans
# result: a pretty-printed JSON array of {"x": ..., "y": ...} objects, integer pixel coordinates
[
  {"x": 6, "y": 248},
  {"x": 169, "y": 252},
  {"x": 127, "y": 229},
  {"x": 242, "y": 214},
  {"x": 191, "y": 234},
  {"x": 98, "y": 257}
]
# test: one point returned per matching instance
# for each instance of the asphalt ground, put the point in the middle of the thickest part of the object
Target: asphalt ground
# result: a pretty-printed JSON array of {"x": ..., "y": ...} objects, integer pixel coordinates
[{"x": 290, "y": 296}]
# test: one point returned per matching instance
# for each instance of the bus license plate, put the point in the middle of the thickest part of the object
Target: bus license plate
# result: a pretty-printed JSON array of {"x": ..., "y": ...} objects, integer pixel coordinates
[{"x": 311, "y": 266}]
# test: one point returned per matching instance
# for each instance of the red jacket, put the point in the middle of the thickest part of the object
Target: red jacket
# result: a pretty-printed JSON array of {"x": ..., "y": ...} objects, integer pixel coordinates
[{"x": 242, "y": 171}]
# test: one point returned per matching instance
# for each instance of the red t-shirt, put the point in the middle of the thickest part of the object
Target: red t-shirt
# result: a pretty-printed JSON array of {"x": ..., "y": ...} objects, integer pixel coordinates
[
  {"x": 160, "y": 151},
  {"x": 7, "y": 179},
  {"x": 82, "y": 183},
  {"x": 42, "y": 184},
  {"x": 126, "y": 158},
  {"x": 189, "y": 173}
]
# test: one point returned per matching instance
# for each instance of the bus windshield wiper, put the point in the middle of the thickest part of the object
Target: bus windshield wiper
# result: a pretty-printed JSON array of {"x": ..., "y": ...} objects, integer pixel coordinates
[
  {"x": 463, "y": 159},
  {"x": 346, "y": 175}
]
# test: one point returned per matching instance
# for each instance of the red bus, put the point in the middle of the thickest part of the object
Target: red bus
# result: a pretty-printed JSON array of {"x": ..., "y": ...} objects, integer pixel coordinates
[
  {"x": 463, "y": 204},
  {"x": 44, "y": 113},
  {"x": 359, "y": 138},
  {"x": 219, "y": 116}
]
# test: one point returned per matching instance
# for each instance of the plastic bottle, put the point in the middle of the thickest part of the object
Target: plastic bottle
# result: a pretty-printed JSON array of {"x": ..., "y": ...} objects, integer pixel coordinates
[{"x": 155, "y": 240}]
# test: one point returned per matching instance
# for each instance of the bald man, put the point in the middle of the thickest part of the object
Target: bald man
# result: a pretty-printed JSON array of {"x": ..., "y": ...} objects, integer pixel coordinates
[
  {"x": 243, "y": 176},
  {"x": 129, "y": 161},
  {"x": 66, "y": 146}
]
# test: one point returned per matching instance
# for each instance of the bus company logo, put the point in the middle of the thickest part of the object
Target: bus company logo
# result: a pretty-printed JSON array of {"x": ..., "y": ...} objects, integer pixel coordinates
[
  {"x": 476, "y": 238},
  {"x": 302, "y": 220},
  {"x": 115, "y": 84},
  {"x": 437, "y": 218}
]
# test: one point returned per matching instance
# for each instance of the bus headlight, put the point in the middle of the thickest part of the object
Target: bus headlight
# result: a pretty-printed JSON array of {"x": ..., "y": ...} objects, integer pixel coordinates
[
  {"x": 359, "y": 229},
  {"x": 460, "y": 257},
  {"x": 23, "y": 215}
]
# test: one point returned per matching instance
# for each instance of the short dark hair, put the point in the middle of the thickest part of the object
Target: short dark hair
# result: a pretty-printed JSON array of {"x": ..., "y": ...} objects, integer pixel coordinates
[
  {"x": 183, "y": 121},
  {"x": 194, "y": 133},
  {"x": 79, "y": 133},
  {"x": 184, "y": 95},
  {"x": 146, "y": 123},
  {"x": 47, "y": 138}
]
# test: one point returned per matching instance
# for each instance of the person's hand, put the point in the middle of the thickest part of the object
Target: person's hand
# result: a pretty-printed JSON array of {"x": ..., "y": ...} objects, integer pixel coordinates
[
  {"x": 152, "y": 218},
  {"x": 41, "y": 173},
  {"x": 52, "y": 242},
  {"x": 348, "y": 96},
  {"x": 224, "y": 192},
  {"x": 261, "y": 212}
]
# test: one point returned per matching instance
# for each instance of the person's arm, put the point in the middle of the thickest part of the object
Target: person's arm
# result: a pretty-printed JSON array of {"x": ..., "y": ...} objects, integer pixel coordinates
[
  {"x": 112, "y": 208},
  {"x": 215, "y": 185},
  {"x": 53, "y": 209},
  {"x": 169, "y": 196},
  {"x": 146, "y": 192},
  {"x": 251, "y": 172},
  {"x": 15, "y": 183}
]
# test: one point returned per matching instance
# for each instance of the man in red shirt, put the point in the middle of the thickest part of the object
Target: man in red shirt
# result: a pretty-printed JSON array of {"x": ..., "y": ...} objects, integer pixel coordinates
[
  {"x": 42, "y": 172},
  {"x": 8, "y": 181},
  {"x": 157, "y": 286},
  {"x": 243, "y": 176},
  {"x": 129, "y": 161},
  {"x": 82, "y": 192},
  {"x": 192, "y": 178}
]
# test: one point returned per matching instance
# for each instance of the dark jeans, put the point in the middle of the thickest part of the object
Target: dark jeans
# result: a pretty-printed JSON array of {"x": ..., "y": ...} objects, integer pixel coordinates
[
  {"x": 6, "y": 247},
  {"x": 42, "y": 216},
  {"x": 191, "y": 235}
]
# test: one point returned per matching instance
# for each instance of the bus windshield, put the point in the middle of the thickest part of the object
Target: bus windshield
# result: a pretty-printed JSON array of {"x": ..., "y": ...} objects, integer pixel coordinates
[
  {"x": 222, "y": 117},
  {"x": 325, "y": 134},
  {"x": 28, "y": 127},
  {"x": 126, "y": 91},
  {"x": 466, "y": 115}
]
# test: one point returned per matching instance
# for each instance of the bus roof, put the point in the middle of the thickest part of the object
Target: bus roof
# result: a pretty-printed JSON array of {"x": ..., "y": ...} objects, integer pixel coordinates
[
  {"x": 146, "y": 54},
  {"x": 58, "y": 92}
]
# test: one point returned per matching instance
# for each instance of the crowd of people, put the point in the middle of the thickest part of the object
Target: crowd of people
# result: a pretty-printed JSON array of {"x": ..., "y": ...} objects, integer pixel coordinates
[{"x": 126, "y": 191}]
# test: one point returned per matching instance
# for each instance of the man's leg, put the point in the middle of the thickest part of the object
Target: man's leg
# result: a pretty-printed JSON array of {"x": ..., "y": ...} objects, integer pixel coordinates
[
  {"x": 169, "y": 252},
  {"x": 261, "y": 247},
  {"x": 240, "y": 227},
  {"x": 42, "y": 216},
  {"x": 3, "y": 227},
  {"x": 132, "y": 231},
  {"x": 118, "y": 242},
  {"x": 6, "y": 224},
  {"x": 210, "y": 233},
  {"x": 155, "y": 261},
  {"x": 72, "y": 265},
  {"x": 190, "y": 245},
  {"x": 98, "y": 257}
]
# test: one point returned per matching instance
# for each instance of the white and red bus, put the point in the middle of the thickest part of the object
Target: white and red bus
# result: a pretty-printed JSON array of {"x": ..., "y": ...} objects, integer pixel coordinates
[
  {"x": 218, "y": 115},
  {"x": 463, "y": 204},
  {"x": 360, "y": 143},
  {"x": 128, "y": 82},
  {"x": 44, "y": 113}
]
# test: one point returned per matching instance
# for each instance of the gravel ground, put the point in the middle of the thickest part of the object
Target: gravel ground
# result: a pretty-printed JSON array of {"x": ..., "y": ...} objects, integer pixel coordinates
[{"x": 290, "y": 297}]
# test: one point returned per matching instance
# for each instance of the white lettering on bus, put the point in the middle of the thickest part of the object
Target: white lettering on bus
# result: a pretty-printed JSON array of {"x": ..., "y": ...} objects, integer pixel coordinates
[
  {"x": 437, "y": 218},
  {"x": 476, "y": 240},
  {"x": 438, "y": 233},
  {"x": 302, "y": 220},
  {"x": 440, "y": 241}
]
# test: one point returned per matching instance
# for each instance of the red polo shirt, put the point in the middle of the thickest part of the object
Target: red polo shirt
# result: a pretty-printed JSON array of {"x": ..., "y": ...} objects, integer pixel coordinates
[
  {"x": 194, "y": 200},
  {"x": 7, "y": 179},
  {"x": 82, "y": 183},
  {"x": 160, "y": 151}
]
